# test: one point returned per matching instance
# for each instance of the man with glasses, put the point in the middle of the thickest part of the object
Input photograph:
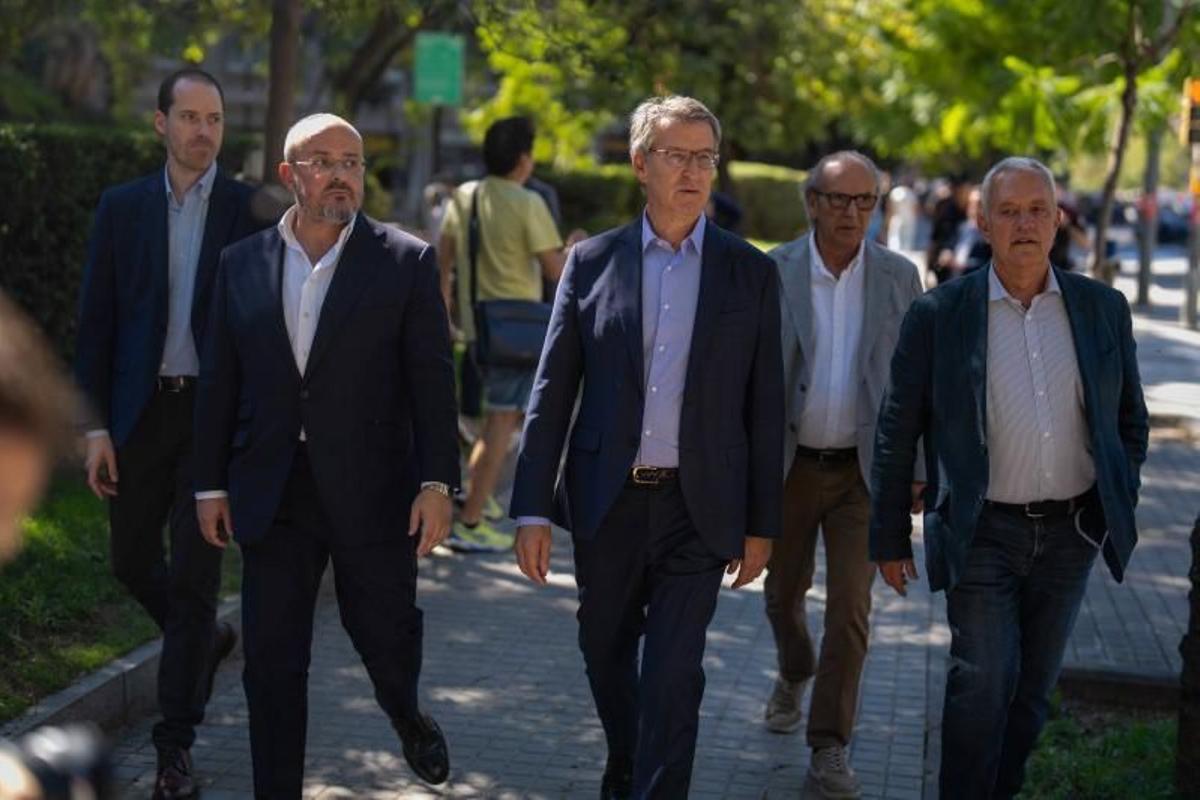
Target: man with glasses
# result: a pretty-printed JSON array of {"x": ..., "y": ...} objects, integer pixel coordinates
[
  {"x": 325, "y": 431},
  {"x": 146, "y": 289},
  {"x": 671, "y": 327},
  {"x": 843, "y": 300}
]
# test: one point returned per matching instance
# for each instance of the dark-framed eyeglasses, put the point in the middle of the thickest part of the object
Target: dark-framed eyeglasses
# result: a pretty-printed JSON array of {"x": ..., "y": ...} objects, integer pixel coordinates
[
  {"x": 324, "y": 166},
  {"x": 678, "y": 159},
  {"x": 839, "y": 200}
]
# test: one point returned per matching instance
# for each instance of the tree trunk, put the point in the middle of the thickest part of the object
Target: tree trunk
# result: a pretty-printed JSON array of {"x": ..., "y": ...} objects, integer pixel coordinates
[
  {"x": 1116, "y": 157},
  {"x": 1187, "y": 756},
  {"x": 1148, "y": 241},
  {"x": 281, "y": 94}
]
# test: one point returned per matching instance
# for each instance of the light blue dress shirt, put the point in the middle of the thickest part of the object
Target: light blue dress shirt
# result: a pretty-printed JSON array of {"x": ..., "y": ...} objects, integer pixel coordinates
[
  {"x": 185, "y": 236},
  {"x": 670, "y": 293}
]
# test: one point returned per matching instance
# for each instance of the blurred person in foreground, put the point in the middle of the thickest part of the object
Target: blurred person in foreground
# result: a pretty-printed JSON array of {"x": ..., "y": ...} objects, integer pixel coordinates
[
  {"x": 143, "y": 307},
  {"x": 671, "y": 327},
  {"x": 1030, "y": 478}
]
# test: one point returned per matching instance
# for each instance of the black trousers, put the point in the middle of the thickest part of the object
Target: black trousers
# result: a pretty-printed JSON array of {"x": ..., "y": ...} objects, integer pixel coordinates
[
  {"x": 647, "y": 572},
  {"x": 177, "y": 588},
  {"x": 281, "y": 576}
]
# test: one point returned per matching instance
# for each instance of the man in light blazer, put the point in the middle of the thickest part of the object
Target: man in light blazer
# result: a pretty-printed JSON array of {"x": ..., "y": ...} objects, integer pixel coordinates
[{"x": 843, "y": 299}]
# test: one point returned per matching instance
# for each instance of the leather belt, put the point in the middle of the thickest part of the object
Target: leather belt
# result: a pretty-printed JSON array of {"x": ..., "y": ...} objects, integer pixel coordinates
[
  {"x": 836, "y": 455},
  {"x": 175, "y": 383},
  {"x": 1046, "y": 509},
  {"x": 653, "y": 476}
]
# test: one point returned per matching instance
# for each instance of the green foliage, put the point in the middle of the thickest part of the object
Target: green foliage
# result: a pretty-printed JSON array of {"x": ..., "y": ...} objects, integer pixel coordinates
[
  {"x": 53, "y": 176},
  {"x": 772, "y": 200},
  {"x": 1110, "y": 759},
  {"x": 61, "y": 612}
]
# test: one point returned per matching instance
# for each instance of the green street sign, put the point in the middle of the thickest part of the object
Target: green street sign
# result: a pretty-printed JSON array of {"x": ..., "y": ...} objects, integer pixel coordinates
[{"x": 439, "y": 69}]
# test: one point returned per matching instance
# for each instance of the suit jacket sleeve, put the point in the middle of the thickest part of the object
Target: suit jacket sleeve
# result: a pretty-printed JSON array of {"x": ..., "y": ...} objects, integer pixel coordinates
[
  {"x": 1133, "y": 423},
  {"x": 217, "y": 390},
  {"x": 551, "y": 404},
  {"x": 429, "y": 368},
  {"x": 915, "y": 291},
  {"x": 903, "y": 417},
  {"x": 765, "y": 408},
  {"x": 98, "y": 317}
]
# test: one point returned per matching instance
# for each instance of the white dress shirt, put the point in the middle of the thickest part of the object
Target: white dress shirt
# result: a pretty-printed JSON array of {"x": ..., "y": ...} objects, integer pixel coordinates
[
  {"x": 1036, "y": 430},
  {"x": 829, "y": 417}
]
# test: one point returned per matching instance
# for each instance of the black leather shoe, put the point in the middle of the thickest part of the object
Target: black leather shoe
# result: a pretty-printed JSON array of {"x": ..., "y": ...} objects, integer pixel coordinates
[
  {"x": 224, "y": 640},
  {"x": 618, "y": 780},
  {"x": 174, "y": 781},
  {"x": 424, "y": 748}
]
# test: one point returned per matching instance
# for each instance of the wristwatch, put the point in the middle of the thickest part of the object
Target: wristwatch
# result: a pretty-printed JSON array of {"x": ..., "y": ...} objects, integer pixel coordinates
[{"x": 436, "y": 486}]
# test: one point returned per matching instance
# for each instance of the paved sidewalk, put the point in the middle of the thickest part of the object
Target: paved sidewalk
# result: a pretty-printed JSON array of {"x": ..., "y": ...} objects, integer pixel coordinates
[{"x": 505, "y": 679}]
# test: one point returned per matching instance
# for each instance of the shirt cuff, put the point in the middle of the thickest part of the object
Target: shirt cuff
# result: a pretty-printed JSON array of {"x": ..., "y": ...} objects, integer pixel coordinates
[
  {"x": 96, "y": 433},
  {"x": 523, "y": 521},
  {"x": 215, "y": 494}
]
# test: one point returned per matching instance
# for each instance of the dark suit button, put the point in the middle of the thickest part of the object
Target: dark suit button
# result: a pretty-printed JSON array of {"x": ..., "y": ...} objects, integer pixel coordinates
[
  {"x": 803, "y": 387},
  {"x": 304, "y": 394},
  {"x": 793, "y": 427}
]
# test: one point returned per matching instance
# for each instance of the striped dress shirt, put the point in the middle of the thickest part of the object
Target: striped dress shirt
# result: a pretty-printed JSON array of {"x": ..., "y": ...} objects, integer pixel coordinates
[{"x": 1038, "y": 441}]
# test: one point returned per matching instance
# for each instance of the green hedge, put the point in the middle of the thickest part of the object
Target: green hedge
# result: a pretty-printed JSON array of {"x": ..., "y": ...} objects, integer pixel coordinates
[
  {"x": 770, "y": 197},
  {"x": 52, "y": 177}
]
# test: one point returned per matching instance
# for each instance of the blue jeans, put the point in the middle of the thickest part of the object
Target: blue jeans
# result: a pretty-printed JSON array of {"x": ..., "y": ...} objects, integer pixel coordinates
[{"x": 1010, "y": 617}]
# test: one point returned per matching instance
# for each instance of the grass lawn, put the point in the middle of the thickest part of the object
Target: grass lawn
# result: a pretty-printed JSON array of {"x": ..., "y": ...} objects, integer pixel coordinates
[
  {"x": 1103, "y": 755},
  {"x": 62, "y": 614}
]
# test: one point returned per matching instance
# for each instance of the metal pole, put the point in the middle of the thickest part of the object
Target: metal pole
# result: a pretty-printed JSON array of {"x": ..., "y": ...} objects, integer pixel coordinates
[
  {"x": 1148, "y": 221},
  {"x": 1191, "y": 280}
]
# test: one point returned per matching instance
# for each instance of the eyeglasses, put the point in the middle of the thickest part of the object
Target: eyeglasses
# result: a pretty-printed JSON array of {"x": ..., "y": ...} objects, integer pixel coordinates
[
  {"x": 863, "y": 202},
  {"x": 324, "y": 166},
  {"x": 678, "y": 159}
]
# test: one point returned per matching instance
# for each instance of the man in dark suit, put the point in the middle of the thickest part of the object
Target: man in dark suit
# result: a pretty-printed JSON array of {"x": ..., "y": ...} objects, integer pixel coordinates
[
  {"x": 146, "y": 289},
  {"x": 673, "y": 472},
  {"x": 1023, "y": 380},
  {"x": 326, "y": 430}
]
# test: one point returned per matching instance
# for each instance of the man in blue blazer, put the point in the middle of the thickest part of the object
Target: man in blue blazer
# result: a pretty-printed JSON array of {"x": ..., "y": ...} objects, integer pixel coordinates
[
  {"x": 146, "y": 289},
  {"x": 1023, "y": 379},
  {"x": 673, "y": 472},
  {"x": 326, "y": 430}
]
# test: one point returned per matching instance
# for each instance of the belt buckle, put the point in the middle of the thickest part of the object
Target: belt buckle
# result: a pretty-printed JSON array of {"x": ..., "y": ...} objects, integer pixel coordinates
[
  {"x": 639, "y": 472},
  {"x": 1031, "y": 514}
]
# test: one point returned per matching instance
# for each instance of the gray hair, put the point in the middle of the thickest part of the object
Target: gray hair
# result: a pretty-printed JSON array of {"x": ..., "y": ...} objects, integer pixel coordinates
[
  {"x": 1013, "y": 164},
  {"x": 308, "y": 127},
  {"x": 654, "y": 112},
  {"x": 816, "y": 175}
]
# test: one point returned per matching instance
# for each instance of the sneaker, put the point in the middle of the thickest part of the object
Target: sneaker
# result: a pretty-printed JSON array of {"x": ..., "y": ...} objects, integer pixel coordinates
[
  {"x": 481, "y": 538},
  {"x": 831, "y": 772},
  {"x": 492, "y": 510},
  {"x": 783, "y": 713}
]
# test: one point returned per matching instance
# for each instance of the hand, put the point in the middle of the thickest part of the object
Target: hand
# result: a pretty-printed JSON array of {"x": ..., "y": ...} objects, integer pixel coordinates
[
  {"x": 101, "y": 465},
  {"x": 753, "y": 561},
  {"x": 575, "y": 237},
  {"x": 532, "y": 547},
  {"x": 897, "y": 573},
  {"x": 431, "y": 514},
  {"x": 216, "y": 523},
  {"x": 918, "y": 505}
]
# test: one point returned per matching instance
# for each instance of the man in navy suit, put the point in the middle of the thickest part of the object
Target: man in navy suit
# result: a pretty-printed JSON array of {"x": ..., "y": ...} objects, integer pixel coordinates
[
  {"x": 673, "y": 472},
  {"x": 326, "y": 430},
  {"x": 1023, "y": 379},
  {"x": 146, "y": 289}
]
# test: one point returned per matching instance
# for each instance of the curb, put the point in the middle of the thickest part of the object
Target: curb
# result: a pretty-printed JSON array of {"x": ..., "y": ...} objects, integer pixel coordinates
[
  {"x": 1125, "y": 689},
  {"x": 113, "y": 695}
]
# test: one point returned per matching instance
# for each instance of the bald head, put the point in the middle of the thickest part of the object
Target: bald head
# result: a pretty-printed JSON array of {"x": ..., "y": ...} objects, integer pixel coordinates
[{"x": 308, "y": 127}]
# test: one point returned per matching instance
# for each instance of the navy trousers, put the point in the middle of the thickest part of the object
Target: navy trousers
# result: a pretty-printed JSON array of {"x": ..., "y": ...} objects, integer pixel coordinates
[{"x": 647, "y": 573}]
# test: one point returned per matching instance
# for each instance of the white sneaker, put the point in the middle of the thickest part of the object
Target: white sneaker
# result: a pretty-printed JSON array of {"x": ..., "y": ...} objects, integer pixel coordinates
[
  {"x": 831, "y": 772},
  {"x": 783, "y": 712}
]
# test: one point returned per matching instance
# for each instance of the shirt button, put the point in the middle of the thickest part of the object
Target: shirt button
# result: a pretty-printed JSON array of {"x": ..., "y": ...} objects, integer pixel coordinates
[
  {"x": 1034, "y": 354},
  {"x": 1046, "y": 435},
  {"x": 662, "y": 347},
  {"x": 647, "y": 433},
  {"x": 666, "y": 306},
  {"x": 654, "y": 388},
  {"x": 1041, "y": 394}
]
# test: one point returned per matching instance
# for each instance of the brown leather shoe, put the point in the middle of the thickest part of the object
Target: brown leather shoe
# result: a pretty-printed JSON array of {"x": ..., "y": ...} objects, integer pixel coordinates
[{"x": 174, "y": 781}]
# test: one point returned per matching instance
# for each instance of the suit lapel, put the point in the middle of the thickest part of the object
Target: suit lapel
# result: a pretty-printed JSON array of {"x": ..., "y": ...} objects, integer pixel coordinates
[
  {"x": 875, "y": 292},
  {"x": 712, "y": 289},
  {"x": 218, "y": 221},
  {"x": 1079, "y": 315},
  {"x": 271, "y": 282},
  {"x": 158, "y": 248},
  {"x": 798, "y": 288},
  {"x": 355, "y": 271},
  {"x": 629, "y": 296},
  {"x": 974, "y": 318}
]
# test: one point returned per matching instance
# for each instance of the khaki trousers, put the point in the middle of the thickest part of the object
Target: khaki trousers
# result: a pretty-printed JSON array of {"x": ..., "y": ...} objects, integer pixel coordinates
[{"x": 829, "y": 497}]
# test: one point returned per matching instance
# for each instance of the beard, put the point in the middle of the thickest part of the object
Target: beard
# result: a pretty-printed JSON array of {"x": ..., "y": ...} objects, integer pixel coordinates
[{"x": 339, "y": 212}]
